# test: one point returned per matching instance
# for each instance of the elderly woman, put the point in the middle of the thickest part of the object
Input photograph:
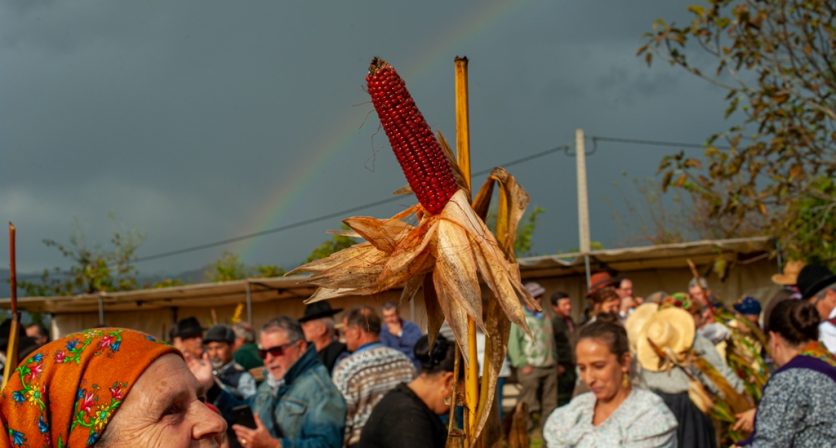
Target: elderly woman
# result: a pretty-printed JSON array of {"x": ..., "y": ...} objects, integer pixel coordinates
[
  {"x": 106, "y": 387},
  {"x": 407, "y": 416},
  {"x": 798, "y": 408},
  {"x": 613, "y": 413}
]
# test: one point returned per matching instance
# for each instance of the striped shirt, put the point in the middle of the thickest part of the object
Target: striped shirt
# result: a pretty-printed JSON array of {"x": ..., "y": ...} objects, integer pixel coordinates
[{"x": 364, "y": 378}]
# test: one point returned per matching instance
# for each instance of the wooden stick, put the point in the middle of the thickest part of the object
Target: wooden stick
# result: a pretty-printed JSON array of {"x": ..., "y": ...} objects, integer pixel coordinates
[
  {"x": 11, "y": 350},
  {"x": 471, "y": 379}
]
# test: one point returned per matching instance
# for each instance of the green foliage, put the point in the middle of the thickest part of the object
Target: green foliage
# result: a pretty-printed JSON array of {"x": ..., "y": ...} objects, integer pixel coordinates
[
  {"x": 269, "y": 270},
  {"x": 230, "y": 267},
  {"x": 94, "y": 269},
  {"x": 335, "y": 244},
  {"x": 525, "y": 232},
  {"x": 226, "y": 268},
  {"x": 775, "y": 61}
]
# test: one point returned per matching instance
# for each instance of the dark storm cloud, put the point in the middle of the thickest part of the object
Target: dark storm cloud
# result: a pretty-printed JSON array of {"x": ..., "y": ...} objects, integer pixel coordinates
[{"x": 186, "y": 118}]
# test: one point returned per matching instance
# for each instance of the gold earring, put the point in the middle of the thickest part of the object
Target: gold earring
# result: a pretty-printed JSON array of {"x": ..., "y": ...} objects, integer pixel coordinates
[
  {"x": 447, "y": 400},
  {"x": 625, "y": 380}
]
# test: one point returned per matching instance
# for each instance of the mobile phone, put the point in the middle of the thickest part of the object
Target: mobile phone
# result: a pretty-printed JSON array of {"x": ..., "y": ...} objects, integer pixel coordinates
[{"x": 243, "y": 416}]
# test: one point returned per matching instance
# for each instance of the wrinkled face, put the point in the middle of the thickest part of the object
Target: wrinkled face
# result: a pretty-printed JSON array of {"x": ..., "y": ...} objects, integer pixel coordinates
[
  {"x": 390, "y": 317},
  {"x": 279, "y": 364},
  {"x": 352, "y": 336},
  {"x": 193, "y": 346},
  {"x": 600, "y": 369},
  {"x": 220, "y": 353},
  {"x": 625, "y": 289},
  {"x": 162, "y": 410}
]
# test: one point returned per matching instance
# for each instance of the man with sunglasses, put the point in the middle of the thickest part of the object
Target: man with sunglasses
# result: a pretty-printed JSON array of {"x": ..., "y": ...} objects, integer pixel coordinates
[{"x": 297, "y": 404}]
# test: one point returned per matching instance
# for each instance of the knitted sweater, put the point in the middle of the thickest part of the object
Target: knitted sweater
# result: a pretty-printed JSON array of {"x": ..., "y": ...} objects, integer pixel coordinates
[{"x": 364, "y": 378}]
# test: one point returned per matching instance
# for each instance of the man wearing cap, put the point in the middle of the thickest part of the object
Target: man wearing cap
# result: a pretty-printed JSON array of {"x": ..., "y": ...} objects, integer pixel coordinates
[
  {"x": 318, "y": 325},
  {"x": 535, "y": 360},
  {"x": 749, "y": 308},
  {"x": 818, "y": 285},
  {"x": 229, "y": 374}
]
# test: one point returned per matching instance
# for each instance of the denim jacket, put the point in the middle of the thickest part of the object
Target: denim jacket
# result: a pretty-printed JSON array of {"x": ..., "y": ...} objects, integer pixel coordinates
[{"x": 305, "y": 409}]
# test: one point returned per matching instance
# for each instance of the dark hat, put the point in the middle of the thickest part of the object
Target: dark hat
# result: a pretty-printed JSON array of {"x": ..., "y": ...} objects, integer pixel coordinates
[
  {"x": 220, "y": 333},
  {"x": 318, "y": 310},
  {"x": 813, "y": 278},
  {"x": 749, "y": 305},
  {"x": 188, "y": 328}
]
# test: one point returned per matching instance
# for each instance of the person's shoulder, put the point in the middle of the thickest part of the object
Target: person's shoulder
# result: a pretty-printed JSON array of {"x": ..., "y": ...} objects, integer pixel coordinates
[
  {"x": 315, "y": 381},
  {"x": 650, "y": 409}
]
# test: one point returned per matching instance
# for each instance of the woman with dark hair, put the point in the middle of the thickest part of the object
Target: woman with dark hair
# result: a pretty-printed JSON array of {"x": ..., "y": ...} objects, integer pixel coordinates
[
  {"x": 408, "y": 416},
  {"x": 798, "y": 408},
  {"x": 614, "y": 413}
]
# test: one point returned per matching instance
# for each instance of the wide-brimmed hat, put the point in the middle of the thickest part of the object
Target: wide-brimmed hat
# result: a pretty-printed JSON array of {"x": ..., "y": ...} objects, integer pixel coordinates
[
  {"x": 672, "y": 330},
  {"x": 318, "y": 310},
  {"x": 790, "y": 275},
  {"x": 188, "y": 328},
  {"x": 813, "y": 278},
  {"x": 636, "y": 321}
]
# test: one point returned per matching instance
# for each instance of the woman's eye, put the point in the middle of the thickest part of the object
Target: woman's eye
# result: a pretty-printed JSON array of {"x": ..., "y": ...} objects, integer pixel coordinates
[{"x": 172, "y": 410}]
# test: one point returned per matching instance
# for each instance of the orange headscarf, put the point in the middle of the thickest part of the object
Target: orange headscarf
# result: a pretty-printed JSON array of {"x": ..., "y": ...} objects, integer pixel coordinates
[{"x": 66, "y": 392}]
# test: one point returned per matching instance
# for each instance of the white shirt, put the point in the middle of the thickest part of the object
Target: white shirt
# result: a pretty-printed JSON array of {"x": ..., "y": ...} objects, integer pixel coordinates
[
  {"x": 827, "y": 332},
  {"x": 641, "y": 421}
]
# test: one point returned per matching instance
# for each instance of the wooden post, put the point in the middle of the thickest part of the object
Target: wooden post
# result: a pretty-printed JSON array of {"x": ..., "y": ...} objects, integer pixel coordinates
[
  {"x": 249, "y": 298},
  {"x": 11, "y": 350},
  {"x": 471, "y": 379},
  {"x": 583, "y": 201}
]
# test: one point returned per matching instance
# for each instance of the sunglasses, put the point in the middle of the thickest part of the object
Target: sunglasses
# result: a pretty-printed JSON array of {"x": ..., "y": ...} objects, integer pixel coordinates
[{"x": 276, "y": 351}]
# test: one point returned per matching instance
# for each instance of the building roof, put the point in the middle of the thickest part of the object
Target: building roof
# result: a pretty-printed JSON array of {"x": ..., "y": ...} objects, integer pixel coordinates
[{"x": 666, "y": 256}]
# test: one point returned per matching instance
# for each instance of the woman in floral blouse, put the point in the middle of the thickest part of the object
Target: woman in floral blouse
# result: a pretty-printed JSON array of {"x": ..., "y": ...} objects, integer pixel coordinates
[
  {"x": 798, "y": 408},
  {"x": 105, "y": 387},
  {"x": 613, "y": 413}
]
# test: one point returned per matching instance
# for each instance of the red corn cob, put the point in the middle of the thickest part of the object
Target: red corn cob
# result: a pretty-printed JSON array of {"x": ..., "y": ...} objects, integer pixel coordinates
[{"x": 422, "y": 161}]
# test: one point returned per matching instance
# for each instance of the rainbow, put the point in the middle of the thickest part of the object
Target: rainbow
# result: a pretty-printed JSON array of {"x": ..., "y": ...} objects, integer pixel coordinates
[{"x": 433, "y": 57}]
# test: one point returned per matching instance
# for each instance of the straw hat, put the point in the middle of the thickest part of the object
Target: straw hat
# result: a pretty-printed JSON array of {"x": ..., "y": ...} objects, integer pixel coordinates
[
  {"x": 672, "y": 330},
  {"x": 636, "y": 321},
  {"x": 790, "y": 275}
]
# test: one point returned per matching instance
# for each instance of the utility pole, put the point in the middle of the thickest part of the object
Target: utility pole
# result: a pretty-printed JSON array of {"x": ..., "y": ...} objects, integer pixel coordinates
[{"x": 583, "y": 200}]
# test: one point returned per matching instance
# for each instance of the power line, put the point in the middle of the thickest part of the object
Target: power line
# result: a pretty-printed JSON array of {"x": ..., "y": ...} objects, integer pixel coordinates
[
  {"x": 596, "y": 138},
  {"x": 565, "y": 148},
  {"x": 332, "y": 215}
]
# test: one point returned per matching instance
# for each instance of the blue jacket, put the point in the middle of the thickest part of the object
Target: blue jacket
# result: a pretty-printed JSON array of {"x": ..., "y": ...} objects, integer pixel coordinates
[
  {"x": 406, "y": 342},
  {"x": 305, "y": 410}
]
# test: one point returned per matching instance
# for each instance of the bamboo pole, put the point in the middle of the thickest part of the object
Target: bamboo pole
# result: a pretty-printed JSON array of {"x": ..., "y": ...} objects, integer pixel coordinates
[
  {"x": 11, "y": 350},
  {"x": 471, "y": 379}
]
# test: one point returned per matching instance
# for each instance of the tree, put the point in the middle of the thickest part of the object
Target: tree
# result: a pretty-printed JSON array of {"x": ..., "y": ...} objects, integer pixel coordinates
[
  {"x": 773, "y": 168},
  {"x": 335, "y": 244},
  {"x": 226, "y": 268},
  {"x": 94, "y": 269}
]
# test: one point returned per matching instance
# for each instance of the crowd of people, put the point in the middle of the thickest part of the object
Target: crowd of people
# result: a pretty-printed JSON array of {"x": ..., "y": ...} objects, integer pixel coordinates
[{"x": 668, "y": 370}]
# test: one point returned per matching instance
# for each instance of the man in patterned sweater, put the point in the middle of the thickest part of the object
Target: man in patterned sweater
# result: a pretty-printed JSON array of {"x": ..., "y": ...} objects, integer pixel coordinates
[{"x": 369, "y": 372}]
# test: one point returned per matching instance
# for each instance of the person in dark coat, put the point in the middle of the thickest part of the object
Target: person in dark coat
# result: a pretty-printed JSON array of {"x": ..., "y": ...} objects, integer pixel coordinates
[
  {"x": 408, "y": 415},
  {"x": 564, "y": 343},
  {"x": 318, "y": 326}
]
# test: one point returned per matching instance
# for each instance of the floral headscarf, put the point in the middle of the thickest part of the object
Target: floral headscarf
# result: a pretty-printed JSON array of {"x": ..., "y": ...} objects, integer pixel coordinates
[{"x": 65, "y": 393}]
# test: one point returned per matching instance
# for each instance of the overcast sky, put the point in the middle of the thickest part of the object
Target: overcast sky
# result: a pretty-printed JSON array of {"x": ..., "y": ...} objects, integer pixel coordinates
[{"x": 197, "y": 121}]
